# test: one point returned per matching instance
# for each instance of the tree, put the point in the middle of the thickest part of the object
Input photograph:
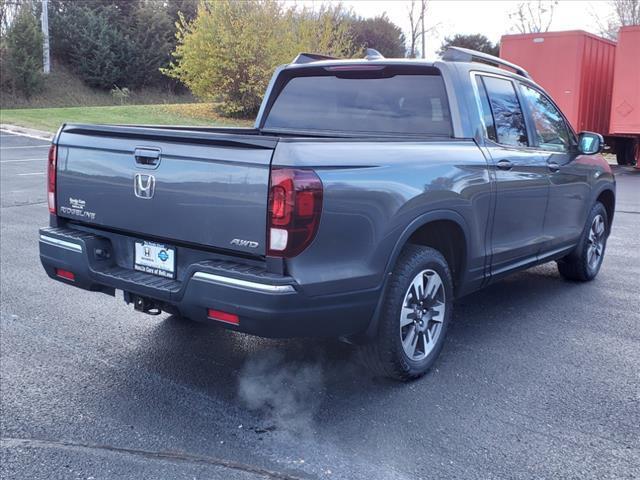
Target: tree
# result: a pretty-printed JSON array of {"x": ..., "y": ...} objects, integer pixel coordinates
[
  {"x": 379, "y": 33},
  {"x": 23, "y": 62},
  {"x": 113, "y": 43},
  {"x": 417, "y": 13},
  {"x": 151, "y": 39},
  {"x": 122, "y": 10},
  {"x": 475, "y": 41},
  {"x": 218, "y": 58},
  {"x": 324, "y": 30},
  {"x": 623, "y": 13},
  {"x": 92, "y": 44},
  {"x": 533, "y": 17},
  {"x": 187, "y": 8},
  {"x": 416, "y": 17}
]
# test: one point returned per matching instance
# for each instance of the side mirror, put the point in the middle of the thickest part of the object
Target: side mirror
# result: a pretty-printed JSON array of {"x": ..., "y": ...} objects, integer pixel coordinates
[{"x": 590, "y": 143}]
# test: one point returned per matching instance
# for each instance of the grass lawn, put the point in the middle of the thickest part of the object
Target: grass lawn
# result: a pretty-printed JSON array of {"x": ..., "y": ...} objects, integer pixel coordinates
[{"x": 49, "y": 119}]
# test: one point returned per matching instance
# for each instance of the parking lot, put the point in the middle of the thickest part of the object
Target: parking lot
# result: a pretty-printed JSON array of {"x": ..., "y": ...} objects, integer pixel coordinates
[{"x": 539, "y": 378}]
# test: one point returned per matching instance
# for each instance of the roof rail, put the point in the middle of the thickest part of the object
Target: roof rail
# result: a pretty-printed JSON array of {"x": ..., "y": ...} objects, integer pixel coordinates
[
  {"x": 459, "y": 54},
  {"x": 373, "y": 54},
  {"x": 311, "y": 57}
]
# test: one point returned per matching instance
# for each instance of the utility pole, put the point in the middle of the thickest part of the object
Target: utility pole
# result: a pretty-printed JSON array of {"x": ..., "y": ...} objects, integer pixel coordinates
[
  {"x": 424, "y": 7},
  {"x": 44, "y": 17}
]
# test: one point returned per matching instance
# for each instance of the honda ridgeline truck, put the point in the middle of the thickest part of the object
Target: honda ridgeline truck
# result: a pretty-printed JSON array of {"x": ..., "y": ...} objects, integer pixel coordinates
[{"x": 369, "y": 196}]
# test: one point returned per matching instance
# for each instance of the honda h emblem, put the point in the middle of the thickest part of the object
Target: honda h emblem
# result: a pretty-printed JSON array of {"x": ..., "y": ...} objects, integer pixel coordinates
[{"x": 144, "y": 185}]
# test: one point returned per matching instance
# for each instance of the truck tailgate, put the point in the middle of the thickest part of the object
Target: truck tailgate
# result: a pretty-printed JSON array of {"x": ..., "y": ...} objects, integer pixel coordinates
[{"x": 205, "y": 187}]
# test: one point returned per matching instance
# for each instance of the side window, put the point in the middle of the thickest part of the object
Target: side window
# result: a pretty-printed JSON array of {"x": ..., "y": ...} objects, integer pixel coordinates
[
  {"x": 507, "y": 113},
  {"x": 487, "y": 116},
  {"x": 550, "y": 128}
]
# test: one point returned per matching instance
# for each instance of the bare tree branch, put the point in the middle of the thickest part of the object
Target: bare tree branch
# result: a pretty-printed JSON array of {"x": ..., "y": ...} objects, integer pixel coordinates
[
  {"x": 414, "y": 24},
  {"x": 622, "y": 13},
  {"x": 417, "y": 12},
  {"x": 533, "y": 17}
]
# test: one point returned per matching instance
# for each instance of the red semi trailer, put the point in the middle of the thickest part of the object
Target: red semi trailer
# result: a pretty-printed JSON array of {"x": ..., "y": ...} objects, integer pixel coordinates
[
  {"x": 624, "y": 122},
  {"x": 595, "y": 81}
]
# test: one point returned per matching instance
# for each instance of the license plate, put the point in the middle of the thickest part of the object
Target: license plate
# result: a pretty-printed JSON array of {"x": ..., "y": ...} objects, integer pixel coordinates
[{"x": 155, "y": 258}]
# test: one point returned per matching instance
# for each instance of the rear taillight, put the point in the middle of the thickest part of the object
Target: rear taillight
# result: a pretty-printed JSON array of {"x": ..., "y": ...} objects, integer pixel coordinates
[
  {"x": 295, "y": 206},
  {"x": 51, "y": 178}
]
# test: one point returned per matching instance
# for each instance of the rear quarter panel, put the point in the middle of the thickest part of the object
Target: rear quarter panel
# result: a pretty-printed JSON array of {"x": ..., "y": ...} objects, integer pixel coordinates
[{"x": 373, "y": 192}]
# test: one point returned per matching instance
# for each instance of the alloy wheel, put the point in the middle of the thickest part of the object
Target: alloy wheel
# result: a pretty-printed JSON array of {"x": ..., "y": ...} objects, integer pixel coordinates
[
  {"x": 423, "y": 311},
  {"x": 595, "y": 242}
]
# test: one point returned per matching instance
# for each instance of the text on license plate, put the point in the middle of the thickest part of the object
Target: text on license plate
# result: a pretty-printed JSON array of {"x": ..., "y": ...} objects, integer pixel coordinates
[{"x": 155, "y": 258}]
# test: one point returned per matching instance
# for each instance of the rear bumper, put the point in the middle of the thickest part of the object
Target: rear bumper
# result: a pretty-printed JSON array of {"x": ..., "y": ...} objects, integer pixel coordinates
[{"x": 267, "y": 304}]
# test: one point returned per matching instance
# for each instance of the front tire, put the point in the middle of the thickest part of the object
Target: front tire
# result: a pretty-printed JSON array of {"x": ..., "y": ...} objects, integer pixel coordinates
[
  {"x": 583, "y": 264},
  {"x": 415, "y": 315}
]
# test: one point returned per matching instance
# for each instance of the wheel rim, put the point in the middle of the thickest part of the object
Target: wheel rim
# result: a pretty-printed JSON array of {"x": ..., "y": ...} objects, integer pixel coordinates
[
  {"x": 595, "y": 241},
  {"x": 423, "y": 311}
]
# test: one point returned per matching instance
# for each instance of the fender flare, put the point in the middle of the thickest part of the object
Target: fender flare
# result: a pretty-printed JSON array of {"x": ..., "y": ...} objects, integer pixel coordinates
[
  {"x": 415, "y": 224},
  {"x": 595, "y": 193},
  {"x": 604, "y": 187}
]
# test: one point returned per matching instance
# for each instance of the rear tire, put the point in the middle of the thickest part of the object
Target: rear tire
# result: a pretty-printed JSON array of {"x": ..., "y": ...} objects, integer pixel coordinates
[
  {"x": 414, "y": 317},
  {"x": 583, "y": 264}
]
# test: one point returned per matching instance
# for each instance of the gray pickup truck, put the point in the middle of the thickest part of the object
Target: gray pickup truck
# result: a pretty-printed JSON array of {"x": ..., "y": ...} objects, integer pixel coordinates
[{"x": 369, "y": 196}]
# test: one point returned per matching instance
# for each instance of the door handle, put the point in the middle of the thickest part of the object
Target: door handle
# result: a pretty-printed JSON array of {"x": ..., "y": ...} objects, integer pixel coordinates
[
  {"x": 149, "y": 157},
  {"x": 504, "y": 165},
  {"x": 553, "y": 167}
]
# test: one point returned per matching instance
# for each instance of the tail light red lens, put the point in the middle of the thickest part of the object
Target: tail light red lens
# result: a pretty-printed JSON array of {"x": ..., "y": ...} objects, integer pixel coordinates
[
  {"x": 51, "y": 178},
  {"x": 295, "y": 207},
  {"x": 66, "y": 274},
  {"x": 223, "y": 316}
]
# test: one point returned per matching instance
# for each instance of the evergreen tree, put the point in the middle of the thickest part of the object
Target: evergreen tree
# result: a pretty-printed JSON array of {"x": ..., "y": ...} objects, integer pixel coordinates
[
  {"x": 476, "y": 42},
  {"x": 98, "y": 47},
  {"x": 187, "y": 8},
  {"x": 23, "y": 62},
  {"x": 379, "y": 33},
  {"x": 151, "y": 37},
  {"x": 113, "y": 43}
]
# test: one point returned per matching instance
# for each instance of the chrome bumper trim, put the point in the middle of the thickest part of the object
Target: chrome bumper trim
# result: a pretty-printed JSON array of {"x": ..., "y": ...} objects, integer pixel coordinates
[
  {"x": 236, "y": 282},
  {"x": 61, "y": 243}
]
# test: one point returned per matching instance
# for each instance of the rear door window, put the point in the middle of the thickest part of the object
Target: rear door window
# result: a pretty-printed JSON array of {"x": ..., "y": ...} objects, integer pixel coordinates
[
  {"x": 507, "y": 112},
  {"x": 399, "y": 104},
  {"x": 487, "y": 116}
]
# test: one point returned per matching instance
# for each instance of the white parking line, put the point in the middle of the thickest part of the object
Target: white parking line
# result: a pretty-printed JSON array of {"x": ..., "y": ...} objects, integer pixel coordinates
[
  {"x": 24, "y": 146},
  {"x": 20, "y": 134},
  {"x": 24, "y": 160},
  {"x": 32, "y": 173}
]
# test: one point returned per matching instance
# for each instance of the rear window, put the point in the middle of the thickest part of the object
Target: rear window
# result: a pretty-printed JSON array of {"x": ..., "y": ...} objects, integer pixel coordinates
[{"x": 399, "y": 104}]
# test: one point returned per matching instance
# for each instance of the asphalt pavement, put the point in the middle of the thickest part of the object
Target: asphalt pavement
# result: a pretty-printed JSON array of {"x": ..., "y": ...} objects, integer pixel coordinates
[{"x": 539, "y": 378}]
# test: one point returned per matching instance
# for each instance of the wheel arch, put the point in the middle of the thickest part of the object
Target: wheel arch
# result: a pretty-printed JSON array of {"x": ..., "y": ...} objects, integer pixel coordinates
[
  {"x": 418, "y": 232},
  {"x": 608, "y": 198}
]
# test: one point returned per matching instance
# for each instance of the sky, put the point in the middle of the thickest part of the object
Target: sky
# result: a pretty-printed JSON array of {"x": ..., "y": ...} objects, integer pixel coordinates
[{"x": 489, "y": 17}]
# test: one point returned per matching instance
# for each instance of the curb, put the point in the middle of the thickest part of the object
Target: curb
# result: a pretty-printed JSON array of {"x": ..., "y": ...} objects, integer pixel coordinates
[{"x": 26, "y": 132}]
